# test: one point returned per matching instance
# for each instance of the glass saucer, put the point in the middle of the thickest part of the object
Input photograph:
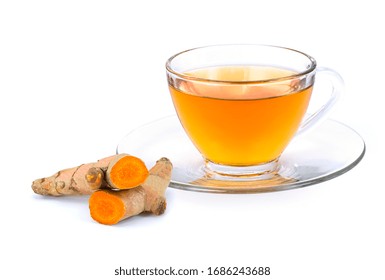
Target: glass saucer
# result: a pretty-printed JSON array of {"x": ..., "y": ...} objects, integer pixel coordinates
[{"x": 321, "y": 154}]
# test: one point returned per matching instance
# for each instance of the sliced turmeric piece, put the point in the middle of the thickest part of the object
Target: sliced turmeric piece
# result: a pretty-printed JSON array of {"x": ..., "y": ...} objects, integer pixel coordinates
[
  {"x": 126, "y": 172},
  {"x": 111, "y": 206}
]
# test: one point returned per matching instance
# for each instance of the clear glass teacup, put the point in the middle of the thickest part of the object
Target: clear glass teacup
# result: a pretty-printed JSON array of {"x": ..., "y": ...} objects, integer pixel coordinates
[{"x": 241, "y": 105}]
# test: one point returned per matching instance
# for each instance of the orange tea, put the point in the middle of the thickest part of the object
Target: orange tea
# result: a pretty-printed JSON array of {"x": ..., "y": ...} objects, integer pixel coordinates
[{"x": 235, "y": 120}]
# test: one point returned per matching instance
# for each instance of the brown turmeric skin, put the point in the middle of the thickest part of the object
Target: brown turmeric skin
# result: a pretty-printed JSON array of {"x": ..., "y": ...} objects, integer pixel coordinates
[
  {"x": 111, "y": 206},
  {"x": 118, "y": 172},
  {"x": 73, "y": 181}
]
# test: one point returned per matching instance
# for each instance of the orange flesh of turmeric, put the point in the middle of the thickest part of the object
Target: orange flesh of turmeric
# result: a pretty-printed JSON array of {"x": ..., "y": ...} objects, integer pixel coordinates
[
  {"x": 128, "y": 172},
  {"x": 106, "y": 208}
]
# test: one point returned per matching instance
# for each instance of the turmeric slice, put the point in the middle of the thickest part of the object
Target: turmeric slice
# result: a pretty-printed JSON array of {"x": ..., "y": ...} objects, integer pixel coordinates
[
  {"x": 111, "y": 206},
  {"x": 126, "y": 172}
]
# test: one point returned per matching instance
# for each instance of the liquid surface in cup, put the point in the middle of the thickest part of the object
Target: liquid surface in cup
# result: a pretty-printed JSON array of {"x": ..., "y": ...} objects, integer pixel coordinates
[{"x": 240, "y": 124}]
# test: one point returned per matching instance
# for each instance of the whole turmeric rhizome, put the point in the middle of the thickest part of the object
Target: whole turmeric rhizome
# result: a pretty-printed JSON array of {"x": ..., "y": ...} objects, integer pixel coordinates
[{"x": 120, "y": 186}]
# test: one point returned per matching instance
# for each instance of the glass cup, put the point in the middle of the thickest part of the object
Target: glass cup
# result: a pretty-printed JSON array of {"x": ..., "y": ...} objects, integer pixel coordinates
[{"x": 241, "y": 105}]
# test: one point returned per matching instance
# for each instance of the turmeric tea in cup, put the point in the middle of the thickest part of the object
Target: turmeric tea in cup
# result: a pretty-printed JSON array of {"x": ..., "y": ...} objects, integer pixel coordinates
[{"x": 241, "y": 105}]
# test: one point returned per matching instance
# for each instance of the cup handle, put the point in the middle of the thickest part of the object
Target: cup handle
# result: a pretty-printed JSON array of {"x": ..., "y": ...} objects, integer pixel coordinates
[{"x": 337, "y": 85}]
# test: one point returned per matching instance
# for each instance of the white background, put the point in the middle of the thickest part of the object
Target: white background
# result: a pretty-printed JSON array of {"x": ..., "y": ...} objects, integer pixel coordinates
[{"x": 76, "y": 76}]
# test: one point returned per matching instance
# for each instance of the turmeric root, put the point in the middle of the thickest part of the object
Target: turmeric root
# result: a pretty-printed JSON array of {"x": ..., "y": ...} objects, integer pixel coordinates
[
  {"x": 126, "y": 172},
  {"x": 110, "y": 207}
]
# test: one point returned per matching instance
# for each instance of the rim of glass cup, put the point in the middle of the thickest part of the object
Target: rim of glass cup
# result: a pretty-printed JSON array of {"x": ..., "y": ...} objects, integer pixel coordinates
[{"x": 311, "y": 68}]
